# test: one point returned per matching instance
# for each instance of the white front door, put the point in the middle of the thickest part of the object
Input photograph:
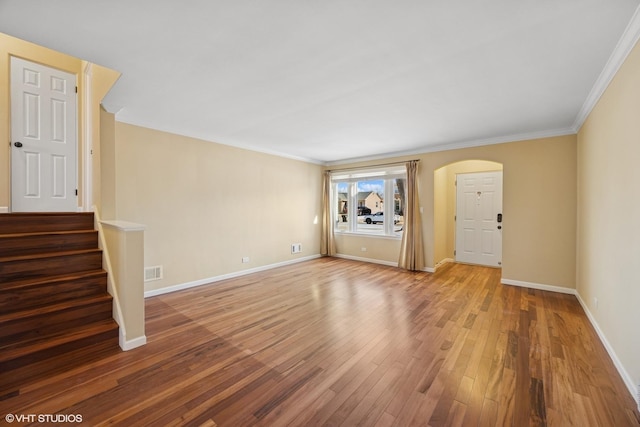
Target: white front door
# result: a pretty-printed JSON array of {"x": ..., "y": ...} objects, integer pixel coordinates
[
  {"x": 479, "y": 218},
  {"x": 43, "y": 139}
]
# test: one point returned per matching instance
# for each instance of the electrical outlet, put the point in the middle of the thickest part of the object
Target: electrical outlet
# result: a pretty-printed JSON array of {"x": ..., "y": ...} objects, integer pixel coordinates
[
  {"x": 296, "y": 248},
  {"x": 245, "y": 259},
  {"x": 363, "y": 249}
]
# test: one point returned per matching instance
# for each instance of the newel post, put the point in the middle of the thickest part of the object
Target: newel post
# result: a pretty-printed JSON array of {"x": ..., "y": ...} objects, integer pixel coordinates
[{"x": 125, "y": 241}]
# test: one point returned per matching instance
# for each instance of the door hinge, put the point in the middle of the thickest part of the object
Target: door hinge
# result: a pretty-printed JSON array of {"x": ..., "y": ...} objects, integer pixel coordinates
[
  {"x": 76, "y": 89},
  {"x": 76, "y": 191},
  {"x": 455, "y": 217},
  {"x": 454, "y": 252}
]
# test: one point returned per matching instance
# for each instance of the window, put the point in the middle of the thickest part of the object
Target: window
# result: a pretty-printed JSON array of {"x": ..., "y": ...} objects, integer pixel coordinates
[
  {"x": 341, "y": 213},
  {"x": 379, "y": 198}
]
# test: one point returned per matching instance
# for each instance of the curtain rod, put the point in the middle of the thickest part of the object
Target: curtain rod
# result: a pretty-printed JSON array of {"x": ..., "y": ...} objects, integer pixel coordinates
[{"x": 375, "y": 166}]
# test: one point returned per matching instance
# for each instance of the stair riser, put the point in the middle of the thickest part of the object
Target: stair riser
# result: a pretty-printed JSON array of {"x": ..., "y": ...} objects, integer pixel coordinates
[
  {"x": 46, "y": 243},
  {"x": 52, "y": 323},
  {"x": 46, "y": 361},
  {"x": 13, "y": 300},
  {"x": 43, "y": 267},
  {"x": 34, "y": 223},
  {"x": 55, "y": 313},
  {"x": 23, "y": 374}
]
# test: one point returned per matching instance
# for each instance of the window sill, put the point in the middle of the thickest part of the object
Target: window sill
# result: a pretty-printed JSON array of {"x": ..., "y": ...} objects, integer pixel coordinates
[{"x": 370, "y": 235}]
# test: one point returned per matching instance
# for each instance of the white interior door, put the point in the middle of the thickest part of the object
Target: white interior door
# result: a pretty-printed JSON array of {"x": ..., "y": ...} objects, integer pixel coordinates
[
  {"x": 479, "y": 218},
  {"x": 43, "y": 139}
]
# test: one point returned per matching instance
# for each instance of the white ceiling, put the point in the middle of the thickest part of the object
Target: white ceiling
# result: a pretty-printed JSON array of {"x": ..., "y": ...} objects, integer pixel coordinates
[{"x": 332, "y": 80}]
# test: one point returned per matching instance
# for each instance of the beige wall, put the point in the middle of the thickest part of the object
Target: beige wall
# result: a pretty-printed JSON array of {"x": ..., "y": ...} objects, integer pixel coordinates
[
  {"x": 609, "y": 214},
  {"x": 440, "y": 213},
  {"x": 384, "y": 250},
  {"x": 206, "y": 205},
  {"x": 539, "y": 206},
  {"x": 107, "y": 168},
  {"x": 101, "y": 80}
]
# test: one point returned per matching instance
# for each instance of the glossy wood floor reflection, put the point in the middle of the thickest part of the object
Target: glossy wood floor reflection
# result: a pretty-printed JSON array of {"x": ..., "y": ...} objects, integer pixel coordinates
[{"x": 337, "y": 342}]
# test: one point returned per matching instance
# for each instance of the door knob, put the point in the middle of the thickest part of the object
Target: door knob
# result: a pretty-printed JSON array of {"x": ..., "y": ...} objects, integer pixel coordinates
[
  {"x": 18, "y": 144},
  {"x": 499, "y": 227}
]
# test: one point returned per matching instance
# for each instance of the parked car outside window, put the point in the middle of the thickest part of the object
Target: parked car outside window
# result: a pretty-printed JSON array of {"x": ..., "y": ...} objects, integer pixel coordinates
[{"x": 378, "y": 218}]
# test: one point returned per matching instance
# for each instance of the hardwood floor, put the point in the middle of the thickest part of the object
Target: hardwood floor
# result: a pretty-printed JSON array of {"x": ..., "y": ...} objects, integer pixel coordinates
[{"x": 337, "y": 342}]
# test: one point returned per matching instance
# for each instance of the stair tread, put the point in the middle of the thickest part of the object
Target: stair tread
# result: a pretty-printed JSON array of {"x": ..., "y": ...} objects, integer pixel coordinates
[
  {"x": 45, "y": 221},
  {"x": 34, "y": 282},
  {"x": 17, "y": 350},
  {"x": 27, "y": 214},
  {"x": 45, "y": 233},
  {"x": 52, "y": 308},
  {"x": 49, "y": 255}
]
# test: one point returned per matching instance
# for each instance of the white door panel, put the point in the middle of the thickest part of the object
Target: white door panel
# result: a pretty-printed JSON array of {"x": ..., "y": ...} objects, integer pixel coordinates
[
  {"x": 478, "y": 233},
  {"x": 43, "y": 136}
]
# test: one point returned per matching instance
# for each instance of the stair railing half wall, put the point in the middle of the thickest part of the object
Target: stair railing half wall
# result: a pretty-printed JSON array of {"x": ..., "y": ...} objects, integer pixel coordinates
[{"x": 125, "y": 282}]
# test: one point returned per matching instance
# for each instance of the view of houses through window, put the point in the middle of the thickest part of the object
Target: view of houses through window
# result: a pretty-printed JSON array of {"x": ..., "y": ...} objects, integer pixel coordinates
[{"x": 378, "y": 206}]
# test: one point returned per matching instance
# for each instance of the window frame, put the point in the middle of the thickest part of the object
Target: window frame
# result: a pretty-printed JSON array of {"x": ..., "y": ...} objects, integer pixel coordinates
[{"x": 386, "y": 174}]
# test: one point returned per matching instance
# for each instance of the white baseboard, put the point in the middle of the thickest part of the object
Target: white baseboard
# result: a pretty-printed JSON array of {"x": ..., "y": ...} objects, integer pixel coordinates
[
  {"x": 550, "y": 288},
  {"x": 179, "y": 287},
  {"x": 371, "y": 260},
  {"x": 377, "y": 261},
  {"x": 127, "y": 345},
  {"x": 4, "y": 209},
  {"x": 628, "y": 381}
]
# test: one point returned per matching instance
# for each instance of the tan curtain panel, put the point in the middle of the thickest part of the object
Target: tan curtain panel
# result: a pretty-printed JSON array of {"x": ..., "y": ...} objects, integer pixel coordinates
[
  {"x": 411, "y": 248},
  {"x": 327, "y": 243}
]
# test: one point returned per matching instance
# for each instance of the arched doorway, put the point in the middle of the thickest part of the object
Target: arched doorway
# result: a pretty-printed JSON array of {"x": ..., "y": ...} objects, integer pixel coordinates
[{"x": 445, "y": 205}]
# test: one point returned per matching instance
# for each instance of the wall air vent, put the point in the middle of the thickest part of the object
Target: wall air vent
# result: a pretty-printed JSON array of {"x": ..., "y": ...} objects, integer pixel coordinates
[{"x": 153, "y": 273}]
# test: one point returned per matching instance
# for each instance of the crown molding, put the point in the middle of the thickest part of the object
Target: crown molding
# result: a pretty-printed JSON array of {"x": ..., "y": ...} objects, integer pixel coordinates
[
  {"x": 626, "y": 43},
  {"x": 205, "y": 138},
  {"x": 459, "y": 145}
]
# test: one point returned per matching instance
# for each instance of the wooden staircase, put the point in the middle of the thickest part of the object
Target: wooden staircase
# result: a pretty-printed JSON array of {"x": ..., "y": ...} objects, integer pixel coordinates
[{"x": 55, "y": 312}]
